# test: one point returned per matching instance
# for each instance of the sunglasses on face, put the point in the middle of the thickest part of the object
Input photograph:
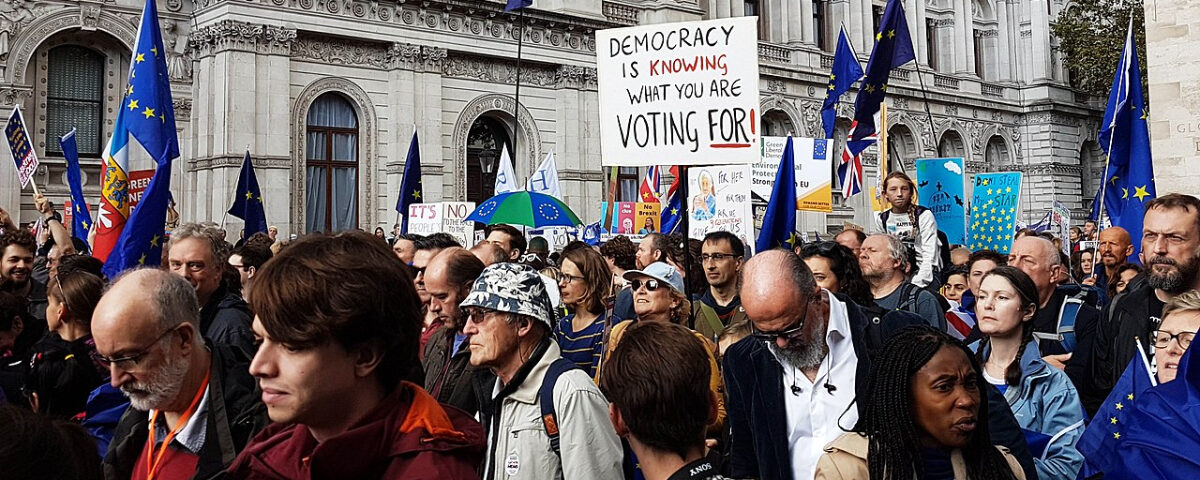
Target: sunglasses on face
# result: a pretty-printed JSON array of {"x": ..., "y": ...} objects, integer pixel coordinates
[{"x": 651, "y": 284}]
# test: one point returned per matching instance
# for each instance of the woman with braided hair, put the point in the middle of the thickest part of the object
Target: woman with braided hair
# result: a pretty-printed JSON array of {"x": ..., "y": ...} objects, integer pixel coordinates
[
  {"x": 926, "y": 417},
  {"x": 914, "y": 224},
  {"x": 1046, "y": 404}
]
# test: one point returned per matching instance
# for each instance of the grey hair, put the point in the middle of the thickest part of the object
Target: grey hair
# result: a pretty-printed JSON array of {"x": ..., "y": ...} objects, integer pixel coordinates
[
  {"x": 1188, "y": 301},
  {"x": 173, "y": 297},
  {"x": 896, "y": 248},
  {"x": 1050, "y": 254},
  {"x": 210, "y": 233}
]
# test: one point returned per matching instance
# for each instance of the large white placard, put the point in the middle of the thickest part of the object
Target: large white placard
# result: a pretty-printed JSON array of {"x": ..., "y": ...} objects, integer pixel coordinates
[
  {"x": 431, "y": 218},
  {"x": 679, "y": 93}
]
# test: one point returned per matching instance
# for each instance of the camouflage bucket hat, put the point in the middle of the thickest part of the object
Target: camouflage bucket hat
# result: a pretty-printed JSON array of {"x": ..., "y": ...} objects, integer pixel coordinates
[{"x": 513, "y": 288}]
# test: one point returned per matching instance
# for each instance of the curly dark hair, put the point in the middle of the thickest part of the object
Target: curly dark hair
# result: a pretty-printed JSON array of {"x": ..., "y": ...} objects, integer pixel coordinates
[
  {"x": 844, "y": 265},
  {"x": 622, "y": 251},
  {"x": 20, "y": 238},
  {"x": 894, "y": 448}
]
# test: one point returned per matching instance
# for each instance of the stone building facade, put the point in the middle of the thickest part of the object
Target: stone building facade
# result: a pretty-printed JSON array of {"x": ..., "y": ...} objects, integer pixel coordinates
[{"x": 326, "y": 94}]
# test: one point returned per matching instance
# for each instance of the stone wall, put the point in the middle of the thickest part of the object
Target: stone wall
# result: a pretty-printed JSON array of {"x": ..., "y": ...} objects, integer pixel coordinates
[{"x": 1172, "y": 31}]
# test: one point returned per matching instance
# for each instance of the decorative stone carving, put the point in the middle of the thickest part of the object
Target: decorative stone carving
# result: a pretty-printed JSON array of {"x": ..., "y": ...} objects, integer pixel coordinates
[
  {"x": 235, "y": 35},
  {"x": 900, "y": 103},
  {"x": 182, "y": 107},
  {"x": 496, "y": 70},
  {"x": 13, "y": 95},
  {"x": 341, "y": 52},
  {"x": 951, "y": 110},
  {"x": 174, "y": 5},
  {"x": 14, "y": 15},
  {"x": 776, "y": 85},
  {"x": 576, "y": 76},
  {"x": 530, "y": 136}
]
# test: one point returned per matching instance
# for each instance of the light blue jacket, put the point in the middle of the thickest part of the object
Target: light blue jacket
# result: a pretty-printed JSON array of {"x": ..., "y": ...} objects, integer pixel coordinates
[{"x": 1046, "y": 402}]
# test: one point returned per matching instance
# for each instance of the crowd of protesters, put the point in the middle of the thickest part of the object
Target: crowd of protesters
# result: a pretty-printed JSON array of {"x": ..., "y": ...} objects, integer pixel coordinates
[{"x": 880, "y": 354}]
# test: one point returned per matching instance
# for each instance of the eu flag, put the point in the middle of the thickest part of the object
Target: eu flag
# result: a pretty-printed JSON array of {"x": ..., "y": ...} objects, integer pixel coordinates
[
  {"x": 846, "y": 71},
  {"x": 1129, "y": 176},
  {"x": 779, "y": 223},
  {"x": 517, "y": 4},
  {"x": 149, "y": 118},
  {"x": 893, "y": 48},
  {"x": 410, "y": 185},
  {"x": 671, "y": 216},
  {"x": 1162, "y": 438},
  {"x": 81, "y": 215},
  {"x": 248, "y": 200},
  {"x": 1103, "y": 437}
]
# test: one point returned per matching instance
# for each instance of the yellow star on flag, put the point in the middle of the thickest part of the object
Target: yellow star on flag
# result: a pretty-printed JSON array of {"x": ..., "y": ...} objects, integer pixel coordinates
[
  {"x": 142, "y": 260},
  {"x": 139, "y": 59},
  {"x": 831, "y": 87},
  {"x": 133, "y": 105},
  {"x": 1124, "y": 193},
  {"x": 1113, "y": 420},
  {"x": 1119, "y": 406},
  {"x": 149, "y": 112},
  {"x": 155, "y": 50},
  {"x": 1141, "y": 193},
  {"x": 85, "y": 225},
  {"x": 249, "y": 195},
  {"x": 260, "y": 198},
  {"x": 891, "y": 34},
  {"x": 832, "y": 77},
  {"x": 416, "y": 194},
  {"x": 130, "y": 90},
  {"x": 1145, "y": 114},
  {"x": 870, "y": 88},
  {"x": 878, "y": 36},
  {"x": 154, "y": 241},
  {"x": 1117, "y": 435},
  {"x": 1130, "y": 396},
  {"x": 674, "y": 211}
]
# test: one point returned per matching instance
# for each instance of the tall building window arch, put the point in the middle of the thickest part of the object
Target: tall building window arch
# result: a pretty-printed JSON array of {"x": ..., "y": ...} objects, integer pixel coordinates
[
  {"x": 331, "y": 165},
  {"x": 825, "y": 41},
  {"x": 75, "y": 98}
]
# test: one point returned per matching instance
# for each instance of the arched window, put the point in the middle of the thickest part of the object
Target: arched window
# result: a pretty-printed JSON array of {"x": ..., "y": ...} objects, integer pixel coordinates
[
  {"x": 331, "y": 165},
  {"x": 75, "y": 98}
]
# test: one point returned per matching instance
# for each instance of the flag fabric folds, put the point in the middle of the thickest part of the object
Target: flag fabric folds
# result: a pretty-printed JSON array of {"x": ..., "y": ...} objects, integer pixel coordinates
[
  {"x": 779, "y": 223},
  {"x": 410, "y": 184},
  {"x": 248, "y": 200},
  {"x": 81, "y": 214},
  {"x": 517, "y": 4},
  {"x": 1102, "y": 441},
  {"x": 545, "y": 179},
  {"x": 846, "y": 71},
  {"x": 1129, "y": 174},
  {"x": 146, "y": 118},
  {"x": 506, "y": 178},
  {"x": 893, "y": 48},
  {"x": 671, "y": 215},
  {"x": 1162, "y": 437},
  {"x": 850, "y": 171},
  {"x": 649, "y": 189}
]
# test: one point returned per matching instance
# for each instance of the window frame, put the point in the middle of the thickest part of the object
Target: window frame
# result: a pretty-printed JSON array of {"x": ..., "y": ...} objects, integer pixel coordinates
[
  {"x": 98, "y": 104},
  {"x": 329, "y": 164}
]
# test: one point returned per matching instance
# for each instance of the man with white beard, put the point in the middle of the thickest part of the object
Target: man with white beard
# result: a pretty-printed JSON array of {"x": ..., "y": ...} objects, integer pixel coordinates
[{"x": 192, "y": 406}]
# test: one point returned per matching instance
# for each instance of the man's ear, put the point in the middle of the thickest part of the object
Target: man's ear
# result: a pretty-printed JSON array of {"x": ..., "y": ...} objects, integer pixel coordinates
[
  {"x": 618, "y": 422},
  {"x": 250, "y": 271},
  {"x": 366, "y": 359}
]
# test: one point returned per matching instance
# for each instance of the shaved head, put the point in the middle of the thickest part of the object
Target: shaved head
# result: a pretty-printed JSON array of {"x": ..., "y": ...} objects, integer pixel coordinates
[
  {"x": 1114, "y": 247},
  {"x": 773, "y": 282}
]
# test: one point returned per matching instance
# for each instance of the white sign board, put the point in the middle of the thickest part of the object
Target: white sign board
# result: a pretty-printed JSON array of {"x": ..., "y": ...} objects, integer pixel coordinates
[
  {"x": 814, "y": 174},
  {"x": 431, "y": 218},
  {"x": 679, "y": 93},
  {"x": 719, "y": 200}
]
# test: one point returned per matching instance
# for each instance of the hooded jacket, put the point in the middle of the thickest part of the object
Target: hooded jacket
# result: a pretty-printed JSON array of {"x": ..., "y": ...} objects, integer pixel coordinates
[
  {"x": 407, "y": 436},
  {"x": 1046, "y": 402},
  {"x": 518, "y": 447},
  {"x": 235, "y": 413}
]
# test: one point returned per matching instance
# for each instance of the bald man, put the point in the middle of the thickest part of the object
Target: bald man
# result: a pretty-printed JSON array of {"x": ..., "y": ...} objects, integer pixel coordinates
[
  {"x": 1115, "y": 247},
  {"x": 200, "y": 398}
]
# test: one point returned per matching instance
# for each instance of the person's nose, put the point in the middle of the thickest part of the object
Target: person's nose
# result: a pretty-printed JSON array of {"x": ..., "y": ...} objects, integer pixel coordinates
[
  {"x": 261, "y": 365},
  {"x": 119, "y": 377}
]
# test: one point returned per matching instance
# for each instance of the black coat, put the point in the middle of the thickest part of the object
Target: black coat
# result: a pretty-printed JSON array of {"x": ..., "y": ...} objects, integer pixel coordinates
[
  {"x": 235, "y": 414},
  {"x": 449, "y": 378},
  {"x": 226, "y": 318},
  {"x": 1130, "y": 315},
  {"x": 755, "y": 403}
]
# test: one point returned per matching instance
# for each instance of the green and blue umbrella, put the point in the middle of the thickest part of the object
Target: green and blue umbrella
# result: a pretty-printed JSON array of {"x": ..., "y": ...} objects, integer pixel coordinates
[{"x": 534, "y": 210}]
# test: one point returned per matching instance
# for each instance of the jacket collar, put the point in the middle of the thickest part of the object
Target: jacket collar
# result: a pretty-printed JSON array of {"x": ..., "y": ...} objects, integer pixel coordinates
[{"x": 543, "y": 356}]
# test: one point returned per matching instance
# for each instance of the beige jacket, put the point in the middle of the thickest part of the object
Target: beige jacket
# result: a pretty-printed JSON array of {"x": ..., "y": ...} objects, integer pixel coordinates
[
  {"x": 846, "y": 458},
  {"x": 519, "y": 449}
]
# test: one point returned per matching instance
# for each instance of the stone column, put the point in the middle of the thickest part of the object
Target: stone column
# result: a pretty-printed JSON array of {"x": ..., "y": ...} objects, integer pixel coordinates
[
  {"x": 1003, "y": 52},
  {"x": 1039, "y": 59},
  {"x": 801, "y": 22},
  {"x": 963, "y": 44},
  {"x": 1174, "y": 72},
  {"x": 718, "y": 9}
]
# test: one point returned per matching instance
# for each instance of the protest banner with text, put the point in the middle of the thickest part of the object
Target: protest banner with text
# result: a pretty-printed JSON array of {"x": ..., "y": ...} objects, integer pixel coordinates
[
  {"x": 994, "y": 201},
  {"x": 679, "y": 93},
  {"x": 719, "y": 200},
  {"x": 649, "y": 217},
  {"x": 23, "y": 154},
  {"x": 940, "y": 189}
]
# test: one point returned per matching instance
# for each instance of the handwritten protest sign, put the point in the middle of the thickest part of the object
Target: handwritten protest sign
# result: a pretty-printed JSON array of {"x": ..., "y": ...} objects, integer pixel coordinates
[
  {"x": 23, "y": 154},
  {"x": 648, "y": 217},
  {"x": 679, "y": 93},
  {"x": 940, "y": 188},
  {"x": 994, "y": 202},
  {"x": 431, "y": 218},
  {"x": 719, "y": 200}
]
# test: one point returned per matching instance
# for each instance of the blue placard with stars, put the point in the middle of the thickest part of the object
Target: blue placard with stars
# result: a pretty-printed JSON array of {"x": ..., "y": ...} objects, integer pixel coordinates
[{"x": 994, "y": 205}]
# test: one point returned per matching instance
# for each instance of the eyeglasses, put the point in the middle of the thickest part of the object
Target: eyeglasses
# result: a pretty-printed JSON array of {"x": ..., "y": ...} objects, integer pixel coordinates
[
  {"x": 568, "y": 278},
  {"x": 481, "y": 315},
  {"x": 651, "y": 285},
  {"x": 61, "y": 294},
  {"x": 1163, "y": 339},
  {"x": 716, "y": 257},
  {"x": 789, "y": 334},
  {"x": 130, "y": 362},
  {"x": 418, "y": 271}
]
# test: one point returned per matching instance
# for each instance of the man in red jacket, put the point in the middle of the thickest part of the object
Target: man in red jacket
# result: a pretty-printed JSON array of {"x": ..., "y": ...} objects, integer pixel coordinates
[{"x": 338, "y": 325}]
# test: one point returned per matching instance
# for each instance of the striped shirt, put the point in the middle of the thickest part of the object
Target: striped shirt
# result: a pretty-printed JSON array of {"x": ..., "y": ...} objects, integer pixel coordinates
[{"x": 583, "y": 348}]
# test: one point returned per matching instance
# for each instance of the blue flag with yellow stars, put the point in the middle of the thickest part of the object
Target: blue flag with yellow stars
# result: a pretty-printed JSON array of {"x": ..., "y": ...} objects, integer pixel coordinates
[
  {"x": 1163, "y": 433},
  {"x": 1105, "y": 438},
  {"x": 1129, "y": 175},
  {"x": 149, "y": 120},
  {"x": 672, "y": 213},
  {"x": 410, "y": 185},
  {"x": 517, "y": 4},
  {"x": 248, "y": 200},
  {"x": 779, "y": 223},
  {"x": 893, "y": 48},
  {"x": 994, "y": 201},
  {"x": 845, "y": 72},
  {"x": 81, "y": 215}
]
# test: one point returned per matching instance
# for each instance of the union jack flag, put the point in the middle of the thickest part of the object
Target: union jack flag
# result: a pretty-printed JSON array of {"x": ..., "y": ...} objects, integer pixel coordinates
[
  {"x": 850, "y": 172},
  {"x": 649, "y": 190}
]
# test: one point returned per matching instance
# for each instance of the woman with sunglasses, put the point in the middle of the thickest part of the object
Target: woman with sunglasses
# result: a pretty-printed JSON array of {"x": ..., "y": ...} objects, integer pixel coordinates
[
  {"x": 658, "y": 297},
  {"x": 63, "y": 369},
  {"x": 584, "y": 280},
  {"x": 1046, "y": 404},
  {"x": 927, "y": 417},
  {"x": 1180, "y": 321}
]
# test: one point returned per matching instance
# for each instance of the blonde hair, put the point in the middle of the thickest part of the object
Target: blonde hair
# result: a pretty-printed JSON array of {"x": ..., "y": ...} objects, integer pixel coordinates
[{"x": 1188, "y": 301}]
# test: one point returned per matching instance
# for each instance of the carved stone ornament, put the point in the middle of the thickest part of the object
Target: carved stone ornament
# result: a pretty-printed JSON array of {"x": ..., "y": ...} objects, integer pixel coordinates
[
  {"x": 530, "y": 136},
  {"x": 495, "y": 70},
  {"x": 341, "y": 52},
  {"x": 235, "y": 35},
  {"x": 576, "y": 76},
  {"x": 14, "y": 95}
]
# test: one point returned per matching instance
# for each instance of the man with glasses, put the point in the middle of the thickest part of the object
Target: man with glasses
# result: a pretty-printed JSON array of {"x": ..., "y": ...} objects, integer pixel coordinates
[
  {"x": 721, "y": 256},
  {"x": 192, "y": 406},
  {"x": 199, "y": 254},
  {"x": 509, "y": 322}
]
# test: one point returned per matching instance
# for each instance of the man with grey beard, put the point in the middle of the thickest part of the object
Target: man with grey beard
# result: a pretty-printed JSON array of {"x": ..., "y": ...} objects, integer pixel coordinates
[
  {"x": 192, "y": 406},
  {"x": 1171, "y": 256}
]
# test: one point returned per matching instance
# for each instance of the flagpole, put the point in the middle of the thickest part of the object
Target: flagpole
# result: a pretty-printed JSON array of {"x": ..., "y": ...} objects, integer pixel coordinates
[
  {"x": 925, "y": 95},
  {"x": 687, "y": 249},
  {"x": 517, "y": 94}
]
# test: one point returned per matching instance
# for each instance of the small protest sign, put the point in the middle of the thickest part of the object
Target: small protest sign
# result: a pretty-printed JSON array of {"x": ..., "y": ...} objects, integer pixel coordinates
[
  {"x": 994, "y": 202},
  {"x": 940, "y": 188}
]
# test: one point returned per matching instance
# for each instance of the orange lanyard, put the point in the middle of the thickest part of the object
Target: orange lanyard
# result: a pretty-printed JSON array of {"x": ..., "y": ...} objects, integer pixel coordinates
[{"x": 154, "y": 461}]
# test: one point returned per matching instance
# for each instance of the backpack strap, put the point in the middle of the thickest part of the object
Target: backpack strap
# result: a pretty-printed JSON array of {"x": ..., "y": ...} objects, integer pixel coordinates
[
  {"x": 908, "y": 297},
  {"x": 1064, "y": 332},
  {"x": 546, "y": 399}
]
